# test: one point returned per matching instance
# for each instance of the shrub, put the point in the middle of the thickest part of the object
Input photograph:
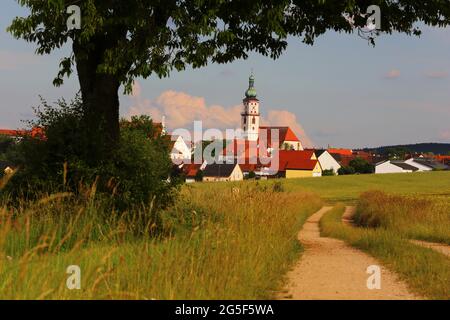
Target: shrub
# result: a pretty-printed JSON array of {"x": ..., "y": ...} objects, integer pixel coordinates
[
  {"x": 361, "y": 165},
  {"x": 329, "y": 172},
  {"x": 251, "y": 175},
  {"x": 137, "y": 174},
  {"x": 346, "y": 170}
]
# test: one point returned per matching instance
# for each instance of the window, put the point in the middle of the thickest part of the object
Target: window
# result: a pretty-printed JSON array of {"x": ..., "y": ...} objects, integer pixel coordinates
[{"x": 254, "y": 120}]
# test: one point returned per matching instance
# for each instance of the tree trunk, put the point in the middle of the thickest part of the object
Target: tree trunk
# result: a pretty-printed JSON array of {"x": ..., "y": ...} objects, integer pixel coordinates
[{"x": 100, "y": 102}]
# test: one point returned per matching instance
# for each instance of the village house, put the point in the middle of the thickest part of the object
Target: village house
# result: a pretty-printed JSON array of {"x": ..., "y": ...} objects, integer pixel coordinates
[
  {"x": 180, "y": 149},
  {"x": 327, "y": 161},
  {"x": 443, "y": 159},
  {"x": 427, "y": 164},
  {"x": 192, "y": 171},
  {"x": 391, "y": 166},
  {"x": 298, "y": 164},
  {"x": 222, "y": 172}
]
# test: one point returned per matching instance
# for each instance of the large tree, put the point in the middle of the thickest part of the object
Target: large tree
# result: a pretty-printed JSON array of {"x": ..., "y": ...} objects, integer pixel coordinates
[{"x": 123, "y": 39}]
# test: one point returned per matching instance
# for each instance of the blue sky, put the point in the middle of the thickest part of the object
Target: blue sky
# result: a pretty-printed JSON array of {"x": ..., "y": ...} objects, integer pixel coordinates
[{"x": 340, "y": 92}]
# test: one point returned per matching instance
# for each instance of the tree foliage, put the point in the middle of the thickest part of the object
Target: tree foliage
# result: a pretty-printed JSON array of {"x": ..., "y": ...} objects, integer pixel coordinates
[
  {"x": 138, "y": 38},
  {"x": 121, "y": 40},
  {"x": 138, "y": 174}
]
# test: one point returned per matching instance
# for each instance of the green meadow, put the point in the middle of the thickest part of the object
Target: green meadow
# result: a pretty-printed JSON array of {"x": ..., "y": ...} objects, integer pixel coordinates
[
  {"x": 220, "y": 240},
  {"x": 348, "y": 188}
]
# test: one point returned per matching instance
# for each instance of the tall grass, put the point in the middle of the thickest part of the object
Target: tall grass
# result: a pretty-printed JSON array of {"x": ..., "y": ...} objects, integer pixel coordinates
[
  {"x": 426, "y": 272},
  {"x": 236, "y": 244},
  {"x": 422, "y": 218}
]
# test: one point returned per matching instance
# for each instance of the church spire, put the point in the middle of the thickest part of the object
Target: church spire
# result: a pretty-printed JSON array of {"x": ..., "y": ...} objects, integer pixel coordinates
[
  {"x": 250, "y": 117},
  {"x": 251, "y": 92}
]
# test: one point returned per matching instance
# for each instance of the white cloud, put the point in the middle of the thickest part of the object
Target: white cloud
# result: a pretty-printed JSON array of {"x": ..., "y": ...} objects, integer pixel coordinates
[{"x": 182, "y": 109}]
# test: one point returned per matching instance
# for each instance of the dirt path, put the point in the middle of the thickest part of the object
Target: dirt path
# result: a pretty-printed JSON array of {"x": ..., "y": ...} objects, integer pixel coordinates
[
  {"x": 439, "y": 247},
  {"x": 330, "y": 269}
]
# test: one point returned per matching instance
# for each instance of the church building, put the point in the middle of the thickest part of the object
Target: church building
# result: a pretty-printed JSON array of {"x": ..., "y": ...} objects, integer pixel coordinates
[{"x": 251, "y": 123}]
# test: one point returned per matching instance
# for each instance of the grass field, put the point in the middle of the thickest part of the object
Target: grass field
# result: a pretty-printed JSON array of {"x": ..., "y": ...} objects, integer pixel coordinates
[
  {"x": 219, "y": 241},
  {"x": 425, "y": 271},
  {"x": 415, "y": 217},
  {"x": 348, "y": 188},
  {"x": 236, "y": 244}
]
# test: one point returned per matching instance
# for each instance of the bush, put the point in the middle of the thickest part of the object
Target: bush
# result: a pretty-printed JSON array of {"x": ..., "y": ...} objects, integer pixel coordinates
[
  {"x": 251, "y": 175},
  {"x": 357, "y": 165},
  {"x": 346, "y": 170},
  {"x": 6, "y": 143},
  {"x": 362, "y": 166},
  {"x": 328, "y": 173},
  {"x": 137, "y": 174}
]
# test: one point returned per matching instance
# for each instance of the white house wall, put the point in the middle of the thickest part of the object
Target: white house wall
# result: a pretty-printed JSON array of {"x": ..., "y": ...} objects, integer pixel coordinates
[{"x": 327, "y": 162}]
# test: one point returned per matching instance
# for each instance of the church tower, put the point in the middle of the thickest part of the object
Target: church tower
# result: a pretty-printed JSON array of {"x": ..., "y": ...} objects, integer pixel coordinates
[{"x": 250, "y": 118}]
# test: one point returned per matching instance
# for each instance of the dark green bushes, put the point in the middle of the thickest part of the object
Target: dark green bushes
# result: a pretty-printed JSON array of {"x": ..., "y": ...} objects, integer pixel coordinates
[{"x": 137, "y": 174}]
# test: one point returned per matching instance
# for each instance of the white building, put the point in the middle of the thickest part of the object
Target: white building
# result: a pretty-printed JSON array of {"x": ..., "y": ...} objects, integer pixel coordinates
[
  {"x": 327, "y": 161},
  {"x": 181, "y": 149},
  {"x": 419, "y": 166},
  {"x": 391, "y": 166}
]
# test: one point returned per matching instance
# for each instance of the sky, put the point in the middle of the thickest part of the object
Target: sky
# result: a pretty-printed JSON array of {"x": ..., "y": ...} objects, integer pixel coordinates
[{"x": 341, "y": 92}]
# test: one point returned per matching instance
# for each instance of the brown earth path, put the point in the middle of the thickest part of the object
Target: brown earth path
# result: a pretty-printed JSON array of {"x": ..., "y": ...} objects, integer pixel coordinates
[{"x": 330, "y": 269}]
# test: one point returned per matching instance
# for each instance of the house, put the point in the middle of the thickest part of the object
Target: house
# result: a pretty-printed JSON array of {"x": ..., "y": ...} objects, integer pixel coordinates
[
  {"x": 342, "y": 152},
  {"x": 222, "y": 172},
  {"x": 180, "y": 149},
  {"x": 430, "y": 163},
  {"x": 35, "y": 132},
  {"x": 419, "y": 164},
  {"x": 298, "y": 164},
  {"x": 327, "y": 161},
  {"x": 443, "y": 159},
  {"x": 286, "y": 137},
  {"x": 391, "y": 166},
  {"x": 191, "y": 172}
]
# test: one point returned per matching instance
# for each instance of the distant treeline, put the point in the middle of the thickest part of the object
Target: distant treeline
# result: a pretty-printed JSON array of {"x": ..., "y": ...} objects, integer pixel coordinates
[{"x": 435, "y": 148}]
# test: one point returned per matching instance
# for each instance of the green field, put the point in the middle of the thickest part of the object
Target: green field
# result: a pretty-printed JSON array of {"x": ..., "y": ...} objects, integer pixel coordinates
[
  {"x": 348, "y": 188},
  {"x": 219, "y": 240},
  {"x": 236, "y": 244}
]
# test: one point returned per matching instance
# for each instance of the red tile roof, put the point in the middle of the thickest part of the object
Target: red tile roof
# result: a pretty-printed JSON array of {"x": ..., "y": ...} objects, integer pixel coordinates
[
  {"x": 343, "y": 152},
  {"x": 241, "y": 149},
  {"x": 285, "y": 134},
  {"x": 191, "y": 170},
  {"x": 14, "y": 133},
  {"x": 296, "y": 160},
  {"x": 35, "y": 132}
]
